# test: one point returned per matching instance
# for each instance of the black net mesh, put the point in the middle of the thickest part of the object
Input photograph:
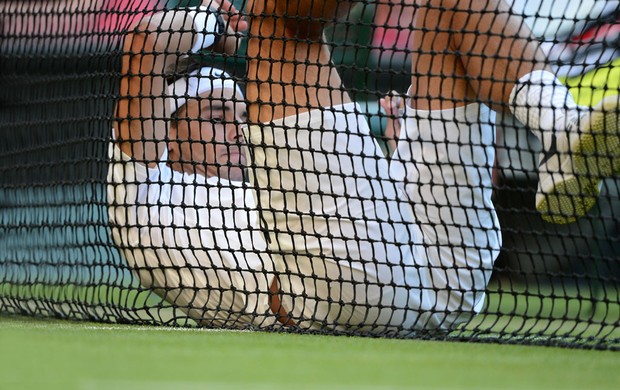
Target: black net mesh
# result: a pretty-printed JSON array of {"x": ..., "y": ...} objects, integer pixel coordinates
[{"x": 333, "y": 168}]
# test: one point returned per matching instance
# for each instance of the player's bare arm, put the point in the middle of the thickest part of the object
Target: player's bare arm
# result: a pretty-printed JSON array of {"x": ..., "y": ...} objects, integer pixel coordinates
[
  {"x": 289, "y": 67},
  {"x": 469, "y": 49},
  {"x": 149, "y": 49}
]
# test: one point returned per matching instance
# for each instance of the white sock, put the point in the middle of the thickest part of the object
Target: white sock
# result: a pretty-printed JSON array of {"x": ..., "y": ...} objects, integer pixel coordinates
[
  {"x": 208, "y": 26},
  {"x": 541, "y": 102}
]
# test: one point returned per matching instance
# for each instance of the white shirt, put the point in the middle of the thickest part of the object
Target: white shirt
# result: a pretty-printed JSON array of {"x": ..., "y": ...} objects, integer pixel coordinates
[{"x": 195, "y": 240}]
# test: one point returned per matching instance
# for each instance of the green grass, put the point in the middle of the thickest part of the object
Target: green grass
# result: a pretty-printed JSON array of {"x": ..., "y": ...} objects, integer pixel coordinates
[
  {"x": 49, "y": 354},
  {"x": 545, "y": 313}
]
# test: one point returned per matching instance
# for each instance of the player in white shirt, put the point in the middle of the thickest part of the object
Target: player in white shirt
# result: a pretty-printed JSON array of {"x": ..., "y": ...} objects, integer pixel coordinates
[
  {"x": 179, "y": 209},
  {"x": 357, "y": 248},
  {"x": 190, "y": 230}
]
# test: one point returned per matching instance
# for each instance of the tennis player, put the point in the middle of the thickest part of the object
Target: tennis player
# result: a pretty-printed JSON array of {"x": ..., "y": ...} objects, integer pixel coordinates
[
  {"x": 179, "y": 209},
  {"x": 356, "y": 248}
]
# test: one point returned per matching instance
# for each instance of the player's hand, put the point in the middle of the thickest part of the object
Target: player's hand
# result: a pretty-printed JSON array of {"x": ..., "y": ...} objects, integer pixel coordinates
[
  {"x": 235, "y": 22},
  {"x": 393, "y": 105}
]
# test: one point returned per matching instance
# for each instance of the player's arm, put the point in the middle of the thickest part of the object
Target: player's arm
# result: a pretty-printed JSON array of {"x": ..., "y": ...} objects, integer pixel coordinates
[
  {"x": 289, "y": 67},
  {"x": 494, "y": 47},
  {"x": 152, "y": 47}
]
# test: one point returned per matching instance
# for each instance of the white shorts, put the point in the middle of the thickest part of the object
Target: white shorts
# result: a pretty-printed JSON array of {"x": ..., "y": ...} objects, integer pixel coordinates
[{"x": 350, "y": 252}]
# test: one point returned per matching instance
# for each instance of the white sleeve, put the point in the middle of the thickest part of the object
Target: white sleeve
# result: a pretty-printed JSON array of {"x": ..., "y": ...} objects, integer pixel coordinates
[
  {"x": 204, "y": 257},
  {"x": 134, "y": 191}
]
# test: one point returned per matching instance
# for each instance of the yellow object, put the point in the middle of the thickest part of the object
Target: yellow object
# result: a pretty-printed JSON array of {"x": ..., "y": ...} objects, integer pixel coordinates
[{"x": 592, "y": 87}]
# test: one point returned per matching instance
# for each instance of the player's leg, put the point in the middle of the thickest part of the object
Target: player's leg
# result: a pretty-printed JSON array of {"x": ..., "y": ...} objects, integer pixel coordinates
[
  {"x": 444, "y": 159},
  {"x": 580, "y": 146},
  {"x": 576, "y": 157},
  {"x": 503, "y": 66}
]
